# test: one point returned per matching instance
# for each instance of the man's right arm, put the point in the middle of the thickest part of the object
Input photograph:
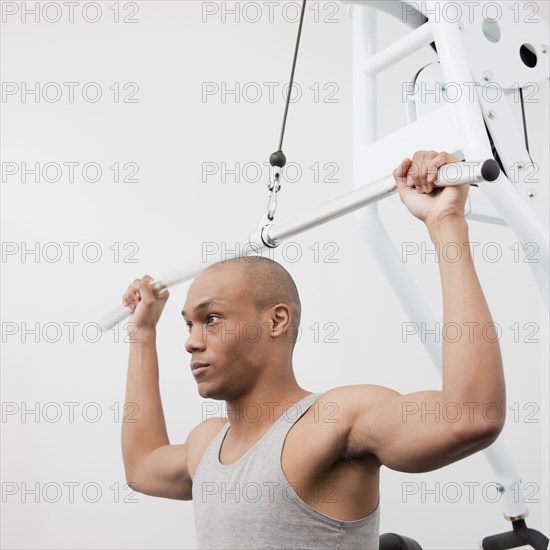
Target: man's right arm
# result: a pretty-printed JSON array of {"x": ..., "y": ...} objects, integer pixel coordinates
[
  {"x": 153, "y": 466},
  {"x": 166, "y": 471}
]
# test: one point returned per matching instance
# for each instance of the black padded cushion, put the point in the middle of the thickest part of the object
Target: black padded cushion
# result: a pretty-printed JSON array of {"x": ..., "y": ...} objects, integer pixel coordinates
[{"x": 391, "y": 541}]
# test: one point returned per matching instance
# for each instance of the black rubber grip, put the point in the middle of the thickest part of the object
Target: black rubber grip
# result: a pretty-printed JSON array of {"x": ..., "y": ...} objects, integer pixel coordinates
[{"x": 490, "y": 170}]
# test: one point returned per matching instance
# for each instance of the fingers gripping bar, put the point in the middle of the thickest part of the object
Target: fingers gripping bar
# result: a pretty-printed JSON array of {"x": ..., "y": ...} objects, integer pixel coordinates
[{"x": 270, "y": 235}]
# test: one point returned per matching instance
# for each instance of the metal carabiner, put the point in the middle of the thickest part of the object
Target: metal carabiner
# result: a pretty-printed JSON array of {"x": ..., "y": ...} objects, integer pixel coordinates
[{"x": 273, "y": 186}]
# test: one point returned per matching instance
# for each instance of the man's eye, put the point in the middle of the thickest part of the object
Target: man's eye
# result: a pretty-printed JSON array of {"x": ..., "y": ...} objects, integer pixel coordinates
[
  {"x": 211, "y": 317},
  {"x": 189, "y": 325}
]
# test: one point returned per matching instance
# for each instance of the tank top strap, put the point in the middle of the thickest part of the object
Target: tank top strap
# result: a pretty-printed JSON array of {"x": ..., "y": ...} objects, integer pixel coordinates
[{"x": 292, "y": 413}]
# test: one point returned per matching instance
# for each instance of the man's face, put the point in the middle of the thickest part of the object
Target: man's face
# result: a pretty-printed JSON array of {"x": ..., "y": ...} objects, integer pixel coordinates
[{"x": 226, "y": 332}]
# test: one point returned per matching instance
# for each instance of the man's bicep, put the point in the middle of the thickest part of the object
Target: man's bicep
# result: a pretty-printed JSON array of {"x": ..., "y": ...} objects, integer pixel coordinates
[
  {"x": 410, "y": 433},
  {"x": 164, "y": 473}
]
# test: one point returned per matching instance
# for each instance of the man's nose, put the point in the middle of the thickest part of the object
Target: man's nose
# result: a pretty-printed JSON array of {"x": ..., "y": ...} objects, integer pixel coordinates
[{"x": 196, "y": 340}]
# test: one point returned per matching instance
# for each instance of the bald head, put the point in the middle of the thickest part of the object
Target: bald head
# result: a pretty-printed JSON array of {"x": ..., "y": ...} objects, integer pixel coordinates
[{"x": 269, "y": 283}]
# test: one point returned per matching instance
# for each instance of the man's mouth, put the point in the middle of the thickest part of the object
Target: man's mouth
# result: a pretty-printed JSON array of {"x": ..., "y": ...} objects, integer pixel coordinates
[{"x": 197, "y": 367}]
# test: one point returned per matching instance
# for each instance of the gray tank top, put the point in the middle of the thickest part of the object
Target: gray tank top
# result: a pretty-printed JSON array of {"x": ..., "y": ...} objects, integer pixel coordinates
[{"x": 250, "y": 503}]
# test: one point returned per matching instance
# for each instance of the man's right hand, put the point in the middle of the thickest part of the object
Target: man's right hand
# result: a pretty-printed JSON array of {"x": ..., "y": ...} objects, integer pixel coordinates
[{"x": 145, "y": 304}]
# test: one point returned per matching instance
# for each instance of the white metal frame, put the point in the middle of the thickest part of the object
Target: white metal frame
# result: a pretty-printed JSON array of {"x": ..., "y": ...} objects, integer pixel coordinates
[{"x": 464, "y": 132}]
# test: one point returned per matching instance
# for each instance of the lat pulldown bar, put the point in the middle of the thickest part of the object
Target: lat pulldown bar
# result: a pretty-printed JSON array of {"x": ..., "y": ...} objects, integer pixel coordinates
[{"x": 271, "y": 234}]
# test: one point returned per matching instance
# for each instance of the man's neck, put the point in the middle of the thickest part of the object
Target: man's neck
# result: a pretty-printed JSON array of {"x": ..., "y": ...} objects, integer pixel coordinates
[{"x": 254, "y": 414}]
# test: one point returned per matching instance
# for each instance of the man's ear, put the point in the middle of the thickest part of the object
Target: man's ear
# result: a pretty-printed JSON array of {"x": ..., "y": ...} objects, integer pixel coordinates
[
  {"x": 281, "y": 316},
  {"x": 281, "y": 323}
]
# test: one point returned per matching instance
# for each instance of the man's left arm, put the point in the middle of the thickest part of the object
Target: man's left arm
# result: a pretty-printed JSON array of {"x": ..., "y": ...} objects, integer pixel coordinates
[{"x": 426, "y": 430}]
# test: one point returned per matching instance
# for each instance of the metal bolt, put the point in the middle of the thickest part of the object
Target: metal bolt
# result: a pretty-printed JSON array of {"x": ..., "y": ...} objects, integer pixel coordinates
[
  {"x": 544, "y": 48},
  {"x": 500, "y": 488},
  {"x": 521, "y": 165},
  {"x": 531, "y": 194},
  {"x": 460, "y": 25},
  {"x": 487, "y": 76},
  {"x": 491, "y": 114}
]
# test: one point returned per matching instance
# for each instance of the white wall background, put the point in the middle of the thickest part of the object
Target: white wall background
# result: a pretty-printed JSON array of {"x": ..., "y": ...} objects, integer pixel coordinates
[{"x": 170, "y": 213}]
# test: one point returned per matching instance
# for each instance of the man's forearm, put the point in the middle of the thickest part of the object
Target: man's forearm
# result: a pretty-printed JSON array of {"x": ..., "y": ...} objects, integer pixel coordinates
[
  {"x": 472, "y": 362},
  {"x": 145, "y": 430}
]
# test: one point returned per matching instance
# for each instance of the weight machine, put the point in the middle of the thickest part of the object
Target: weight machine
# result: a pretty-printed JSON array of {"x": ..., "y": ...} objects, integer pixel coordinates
[{"x": 480, "y": 48}]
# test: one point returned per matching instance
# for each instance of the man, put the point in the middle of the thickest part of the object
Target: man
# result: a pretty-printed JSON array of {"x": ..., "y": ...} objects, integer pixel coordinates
[{"x": 290, "y": 468}]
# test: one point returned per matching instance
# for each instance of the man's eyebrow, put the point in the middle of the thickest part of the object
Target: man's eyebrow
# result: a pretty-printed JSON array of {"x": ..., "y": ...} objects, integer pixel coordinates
[{"x": 204, "y": 304}]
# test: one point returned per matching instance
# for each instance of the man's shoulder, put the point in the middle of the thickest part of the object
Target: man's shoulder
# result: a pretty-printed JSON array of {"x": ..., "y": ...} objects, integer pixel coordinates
[
  {"x": 353, "y": 399},
  {"x": 207, "y": 428},
  {"x": 337, "y": 410},
  {"x": 203, "y": 433},
  {"x": 320, "y": 439},
  {"x": 200, "y": 437}
]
